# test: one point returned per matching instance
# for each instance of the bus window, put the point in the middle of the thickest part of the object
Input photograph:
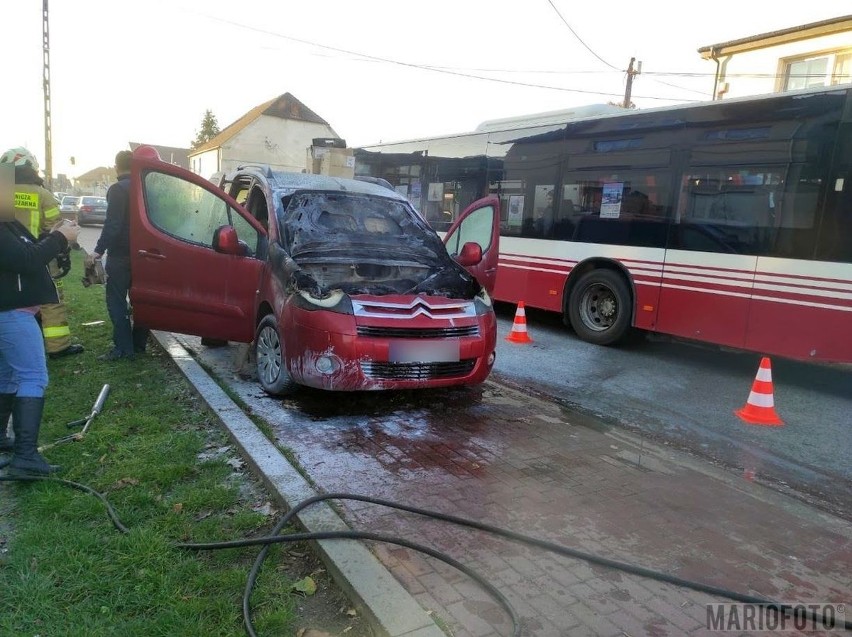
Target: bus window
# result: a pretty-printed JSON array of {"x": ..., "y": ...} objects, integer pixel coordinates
[
  {"x": 758, "y": 210},
  {"x": 622, "y": 208},
  {"x": 527, "y": 180},
  {"x": 538, "y": 220}
]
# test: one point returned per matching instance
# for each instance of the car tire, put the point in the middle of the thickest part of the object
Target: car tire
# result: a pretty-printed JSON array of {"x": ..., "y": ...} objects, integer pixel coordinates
[
  {"x": 600, "y": 307},
  {"x": 269, "y": 359}
]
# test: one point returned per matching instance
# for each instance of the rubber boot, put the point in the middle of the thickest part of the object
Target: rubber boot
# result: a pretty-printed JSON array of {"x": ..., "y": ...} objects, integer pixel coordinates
[
  {"x": 26, "y": 421},
  {"x": 6, "y": 402}
]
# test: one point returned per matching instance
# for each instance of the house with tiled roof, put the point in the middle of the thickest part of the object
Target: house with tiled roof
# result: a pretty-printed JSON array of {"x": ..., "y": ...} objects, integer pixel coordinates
[
  {"x": 277, "y": 133},
  {"x": 95, "y": 181}
]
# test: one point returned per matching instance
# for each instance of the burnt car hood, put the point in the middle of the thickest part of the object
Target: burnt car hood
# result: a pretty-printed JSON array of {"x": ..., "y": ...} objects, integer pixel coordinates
[{"x": 366, "y": 245}]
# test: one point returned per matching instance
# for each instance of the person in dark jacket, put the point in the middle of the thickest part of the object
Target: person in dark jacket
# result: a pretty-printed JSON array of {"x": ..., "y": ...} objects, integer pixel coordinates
[
  {"x": 38, "y": 210},
  {"x": 128, "y": 339},
  {"x": 25, "y": 284}
]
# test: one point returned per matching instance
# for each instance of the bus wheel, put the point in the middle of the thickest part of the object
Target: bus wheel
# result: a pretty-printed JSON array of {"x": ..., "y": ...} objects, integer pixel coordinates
[{"x": 599, "y": 307}]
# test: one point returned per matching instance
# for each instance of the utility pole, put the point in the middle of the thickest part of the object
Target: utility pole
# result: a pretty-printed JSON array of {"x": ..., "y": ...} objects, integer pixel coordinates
[
  {"x": 631, "y": 73},
  {"x": 48, "y": 141}
]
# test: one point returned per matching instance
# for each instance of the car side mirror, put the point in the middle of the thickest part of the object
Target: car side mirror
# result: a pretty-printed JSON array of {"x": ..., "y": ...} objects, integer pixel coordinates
[
  {"x": 471, "y": 254},
  {"x": 225, "y": 241}
]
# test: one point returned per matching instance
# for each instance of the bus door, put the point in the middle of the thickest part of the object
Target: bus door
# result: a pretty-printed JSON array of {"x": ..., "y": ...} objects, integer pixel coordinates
[
  {"x": 802, "y": 302},
  {"x": 709, "y": 268}
]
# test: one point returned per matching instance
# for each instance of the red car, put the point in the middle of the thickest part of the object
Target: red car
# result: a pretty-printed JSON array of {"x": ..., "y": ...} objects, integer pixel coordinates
[{"x": 339, "y": 283}]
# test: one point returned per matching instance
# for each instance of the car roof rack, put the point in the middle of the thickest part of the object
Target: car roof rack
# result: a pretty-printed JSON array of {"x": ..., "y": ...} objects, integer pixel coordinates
[
  {"x": 264, "y": 167},
  {"x": 376, "y": 180}
]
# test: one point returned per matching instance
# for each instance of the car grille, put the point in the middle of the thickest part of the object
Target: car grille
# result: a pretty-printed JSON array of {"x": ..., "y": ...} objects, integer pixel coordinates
[
  {"x": 416, "y": 307},
  {"x": 414, "y": 332},
  {"x": 417, "y": 371}
]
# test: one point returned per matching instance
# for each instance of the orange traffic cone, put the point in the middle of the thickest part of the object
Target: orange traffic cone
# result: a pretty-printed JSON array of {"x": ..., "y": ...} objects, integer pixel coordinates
[
  {"x": 519, "y": 327},
  {"x": 760, "y": 406}
]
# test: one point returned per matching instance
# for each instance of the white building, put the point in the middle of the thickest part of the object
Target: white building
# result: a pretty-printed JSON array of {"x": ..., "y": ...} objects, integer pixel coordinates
[
  {"x": 277, "y": 133},
  {"x": 810, "y": 55}
]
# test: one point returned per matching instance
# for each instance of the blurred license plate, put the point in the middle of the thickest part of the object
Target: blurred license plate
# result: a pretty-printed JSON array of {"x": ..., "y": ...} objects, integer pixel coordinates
[{"x": 417, "y": 352}]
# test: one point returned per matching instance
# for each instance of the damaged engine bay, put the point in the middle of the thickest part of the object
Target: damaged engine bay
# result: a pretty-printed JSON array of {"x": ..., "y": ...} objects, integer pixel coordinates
[{"x": 366, "y": 245}]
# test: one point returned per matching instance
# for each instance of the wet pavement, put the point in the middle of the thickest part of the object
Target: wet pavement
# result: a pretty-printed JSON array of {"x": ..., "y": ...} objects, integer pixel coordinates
[
  {"x": 505, "y": 458},
  {"x": 686, "y": 395}
]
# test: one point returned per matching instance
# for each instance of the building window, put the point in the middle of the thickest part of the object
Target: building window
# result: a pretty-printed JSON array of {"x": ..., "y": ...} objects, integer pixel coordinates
[{"x": 823, "y": 70}]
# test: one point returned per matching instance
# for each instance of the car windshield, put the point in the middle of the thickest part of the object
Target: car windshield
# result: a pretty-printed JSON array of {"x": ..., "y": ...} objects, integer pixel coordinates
[
  {"x": 69, "y": 201},
  {"x": 93, "y": 201},
  {"x": 369, "y": 245}
]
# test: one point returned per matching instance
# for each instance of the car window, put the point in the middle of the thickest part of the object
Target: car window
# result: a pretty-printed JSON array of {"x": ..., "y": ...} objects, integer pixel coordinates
[
  {"x": 240, "y": 195},
  {"x": 476, "y": 228},
  {"x": 238, "y": 188},
  {"x": 185, "y": 210},
  {"x": 245, "y": 232},
  {"x": 258, "y": 208}
]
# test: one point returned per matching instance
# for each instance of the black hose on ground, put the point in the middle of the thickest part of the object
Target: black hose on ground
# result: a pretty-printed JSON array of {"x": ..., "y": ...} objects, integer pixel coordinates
[{"x": 275, "y": 538}]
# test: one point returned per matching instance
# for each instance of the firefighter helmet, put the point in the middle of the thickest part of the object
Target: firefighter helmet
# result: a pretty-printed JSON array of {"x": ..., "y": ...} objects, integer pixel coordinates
[{"x": 19, "y": 157}]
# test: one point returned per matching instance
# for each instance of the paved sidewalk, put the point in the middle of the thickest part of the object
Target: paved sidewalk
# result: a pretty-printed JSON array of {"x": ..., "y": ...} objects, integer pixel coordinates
[{"x": 499, "y": 456}]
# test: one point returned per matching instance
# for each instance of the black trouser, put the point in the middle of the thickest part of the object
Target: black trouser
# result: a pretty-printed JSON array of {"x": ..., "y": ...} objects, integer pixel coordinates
[{"x": 128, "y": 339}]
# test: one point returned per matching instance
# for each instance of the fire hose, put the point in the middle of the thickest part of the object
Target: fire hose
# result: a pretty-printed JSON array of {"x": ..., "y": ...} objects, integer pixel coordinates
[{"x": 275, "y": 538}]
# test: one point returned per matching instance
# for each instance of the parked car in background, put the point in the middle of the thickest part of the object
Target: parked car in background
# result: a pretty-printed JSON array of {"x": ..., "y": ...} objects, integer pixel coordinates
[
  {"x": 91, "y": 210},
  {"x": 68, "y": 207},
  {"x": 340, "y": 283}
]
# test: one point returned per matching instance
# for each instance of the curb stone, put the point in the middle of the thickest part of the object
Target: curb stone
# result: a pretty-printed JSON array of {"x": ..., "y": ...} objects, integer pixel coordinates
[{"x": 391, "y": 610}]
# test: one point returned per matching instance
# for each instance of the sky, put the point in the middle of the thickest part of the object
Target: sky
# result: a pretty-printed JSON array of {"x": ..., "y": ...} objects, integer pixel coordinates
[{"x": 145, "y": 71}]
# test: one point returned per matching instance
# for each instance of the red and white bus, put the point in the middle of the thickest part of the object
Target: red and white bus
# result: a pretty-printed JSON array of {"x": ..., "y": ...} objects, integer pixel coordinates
[{"x": 726, "y": 222}]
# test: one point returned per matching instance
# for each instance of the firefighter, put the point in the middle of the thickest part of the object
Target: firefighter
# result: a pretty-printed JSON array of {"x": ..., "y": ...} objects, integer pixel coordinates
[{"x": 38, "y": 211}]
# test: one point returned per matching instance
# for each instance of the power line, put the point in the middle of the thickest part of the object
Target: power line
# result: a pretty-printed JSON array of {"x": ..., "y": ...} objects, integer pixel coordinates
[
  {"x": 694, "y": 74},
  {"x": 535, "y": 71},
  {"x": 683, "y": 88},
  {"x": 748, "y": 75},
  {"x": 630, "y": 72},
  {"x": 588, "y": 48},
  {"x": 427, "y": 68}
]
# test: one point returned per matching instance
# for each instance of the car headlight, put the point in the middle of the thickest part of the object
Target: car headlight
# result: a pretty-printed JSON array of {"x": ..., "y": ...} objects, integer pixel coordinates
[
  {"x": 482, "y": 302},
  {"x": 334, "y": 301}
]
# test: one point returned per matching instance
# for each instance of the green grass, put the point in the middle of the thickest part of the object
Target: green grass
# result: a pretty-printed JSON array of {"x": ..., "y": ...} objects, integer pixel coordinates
[{"x": 68, "y": 572}]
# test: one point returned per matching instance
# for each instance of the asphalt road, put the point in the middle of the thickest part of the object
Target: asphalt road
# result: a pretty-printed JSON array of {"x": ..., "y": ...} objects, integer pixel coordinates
[{"x": 685, "y": 395}]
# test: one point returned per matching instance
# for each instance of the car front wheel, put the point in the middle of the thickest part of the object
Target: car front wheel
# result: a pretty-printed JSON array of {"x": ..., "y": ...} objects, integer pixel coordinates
[{"x": 269, "y": 354}]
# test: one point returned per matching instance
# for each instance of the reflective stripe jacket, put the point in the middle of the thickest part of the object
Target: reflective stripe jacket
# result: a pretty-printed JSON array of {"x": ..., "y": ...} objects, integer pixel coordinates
[{"x": 36, "y": 208}]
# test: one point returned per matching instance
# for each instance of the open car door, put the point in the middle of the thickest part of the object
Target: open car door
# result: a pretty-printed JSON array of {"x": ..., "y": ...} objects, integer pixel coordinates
[
  {"x": 479, "y": 224},
  {"x": 196, "y": 256}
]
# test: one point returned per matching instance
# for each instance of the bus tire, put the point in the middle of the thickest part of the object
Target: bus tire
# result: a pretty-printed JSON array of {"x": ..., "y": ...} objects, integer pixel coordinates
[
  {"x": 270, "y": 360},
  {"x": 600, "y": 307}
]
